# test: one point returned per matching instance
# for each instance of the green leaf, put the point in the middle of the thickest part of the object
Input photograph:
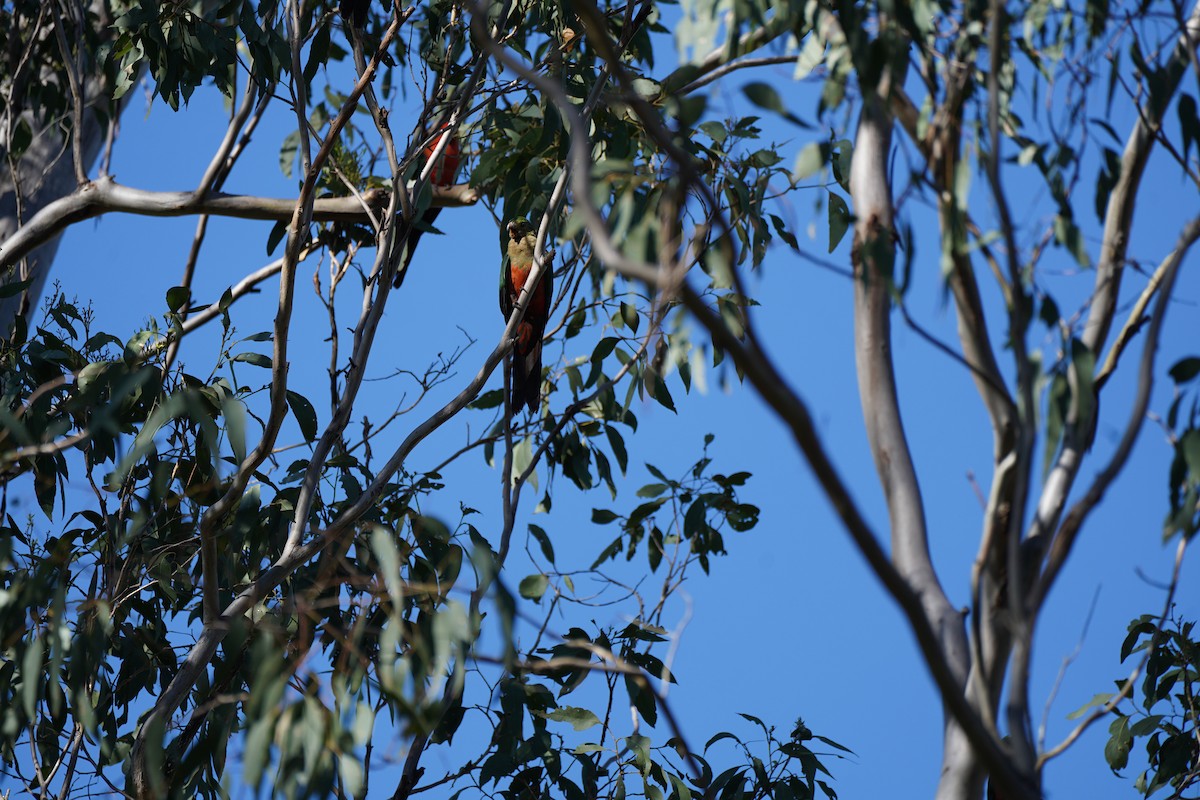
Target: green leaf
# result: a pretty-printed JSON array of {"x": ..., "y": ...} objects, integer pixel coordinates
[
  {"x": 234, "y": 412},
  {"x": 682, "y": 792},
  {"x": 1056, "y": 413},
  {"x": 177, "y": 297},
  {"x": 655, "y": 548},
  {"x": 629, "y": 315},
  {"x": 808, "y": 162},
  {"x": 351, "y": 771},
  {"x": 1083, "y": 364},
  {"x": 1185, "y": 369},
  {"x": 765, "y": 96},
  {"x": 640, "y": 747},
  {"x": 652, "y": 490},
  {"x": 254, "y": 359},
  {"x": 383, "y": 545},
  {"x": 261, "y": 336},
  {"x": 532, "y": 587},
  {"x": 602, "y": 516},
  {"x": 287, "y": 158},
  {"x": 839, "y": 220},
  {"x": 718, "y": 737},
  {"x": 1116, "y": 752},
  {"x": 609, "y": 552},
  {"x": 1067, "y": 233},
  {"x": 1189, "y": 122},
  {"x": 278, "y": 231},
  {"x": 15, "y": 287},
  {"x": 962, "y": 184},
  {"x": 364, "y": 723},
  {"x": 22, "y": 137},
  {"x": 715, "y": 130},
  {"x": 661, "y": 393},
  {"x": 1189, "y": 445},
  {"x": 543, "y": 540},
  {"x": 31, "y": 676},
  {"x": 580, "y": 718},
  {"x": 1146, "y": 725},
  {"x": 306, "y": 415},
  {"x": 522, "y": 457},
  {"x": 1137, "y": 629},
  {"x": 490, "y": 399},
  {"x": 617, "y": 443},
  {"x": 575, "y": 325},
  {"x": 834, "y": 744}
]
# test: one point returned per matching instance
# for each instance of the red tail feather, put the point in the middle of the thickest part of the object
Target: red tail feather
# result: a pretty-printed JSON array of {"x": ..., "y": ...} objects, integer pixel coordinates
[{"x": 527, "y": 377}]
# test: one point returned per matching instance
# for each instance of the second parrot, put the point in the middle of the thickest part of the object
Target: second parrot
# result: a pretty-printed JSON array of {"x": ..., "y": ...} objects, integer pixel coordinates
[
  {"x": 527, "y": 350},
  {"x": 442, "y": 174}
]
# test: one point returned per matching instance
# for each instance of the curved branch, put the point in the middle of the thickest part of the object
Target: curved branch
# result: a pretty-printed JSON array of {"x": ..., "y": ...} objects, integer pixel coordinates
[
  {"x": 733, "y": 66},
  {"x": 105, "y": 195},
  {"x": 793, "y": 413},
  {"x": 873, "y": 256},
  {"x": 686, "y": 77},
  {"x": 1127, "y": 685},
  {"x": 1117, "y": 227},
  {"x": 1064, "y": 540},
  {"x": 1118, "y": 217}
]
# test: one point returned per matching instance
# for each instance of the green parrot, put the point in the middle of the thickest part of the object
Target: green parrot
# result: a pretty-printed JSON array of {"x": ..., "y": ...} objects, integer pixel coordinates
[{"x": 527, "y": 351}]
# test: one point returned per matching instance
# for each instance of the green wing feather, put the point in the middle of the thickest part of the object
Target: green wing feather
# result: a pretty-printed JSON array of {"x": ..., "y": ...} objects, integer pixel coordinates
[{"x": 506, "y": 305}]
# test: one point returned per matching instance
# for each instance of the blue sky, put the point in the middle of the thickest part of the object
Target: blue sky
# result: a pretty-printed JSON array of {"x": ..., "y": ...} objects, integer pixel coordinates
[{"x": 791, "y": 623}]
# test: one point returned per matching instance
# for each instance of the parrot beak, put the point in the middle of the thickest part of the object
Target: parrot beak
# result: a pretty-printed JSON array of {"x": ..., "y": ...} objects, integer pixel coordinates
[{"x": 512, "y": 231}]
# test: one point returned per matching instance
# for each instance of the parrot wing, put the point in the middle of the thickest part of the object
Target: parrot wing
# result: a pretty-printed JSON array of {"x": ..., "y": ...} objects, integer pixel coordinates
[{"x": 506, "y": 292}]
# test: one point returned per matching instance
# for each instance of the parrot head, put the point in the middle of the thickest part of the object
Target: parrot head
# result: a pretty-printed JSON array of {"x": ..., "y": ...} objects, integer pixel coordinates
[{"x": 518, "y": 229}]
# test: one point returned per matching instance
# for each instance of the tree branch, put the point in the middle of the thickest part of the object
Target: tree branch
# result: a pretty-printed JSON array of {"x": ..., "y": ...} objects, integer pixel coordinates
[
  {"x": 1117, "y": 225},
  {"x": 1064, "y": 540},
  {"x": 690, "y": 75},
  {"x": 105, "y": 195},
  {"x": 1118, "y": 218},
  {"x": 144, "y": 783},
  {"x": 1127, "y": 684}
]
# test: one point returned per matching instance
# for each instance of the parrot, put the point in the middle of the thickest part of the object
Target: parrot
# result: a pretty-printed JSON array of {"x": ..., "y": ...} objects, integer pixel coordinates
[
  {"x": 527, "y": 350},
  {"x": 442, "y": 174}
]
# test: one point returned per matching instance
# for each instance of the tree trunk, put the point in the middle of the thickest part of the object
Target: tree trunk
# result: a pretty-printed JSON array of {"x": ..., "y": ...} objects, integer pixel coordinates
[{"x": 45, "y": 171}]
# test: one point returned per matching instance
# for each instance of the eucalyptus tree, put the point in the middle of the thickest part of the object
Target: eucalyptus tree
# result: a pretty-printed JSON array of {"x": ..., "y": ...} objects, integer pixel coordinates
[{"x": 211, "y": 592}]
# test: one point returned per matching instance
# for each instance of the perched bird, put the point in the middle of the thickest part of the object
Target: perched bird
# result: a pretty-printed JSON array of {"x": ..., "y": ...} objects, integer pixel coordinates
[
  {"x": 527, "y": 351},
  {"x": 442, "y": 174}
]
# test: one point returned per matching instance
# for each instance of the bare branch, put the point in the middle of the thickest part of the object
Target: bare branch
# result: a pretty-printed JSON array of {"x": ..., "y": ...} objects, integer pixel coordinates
[
  {"x": 1127, "y": 684},
  {"x": 1133, "y": 323},
  {"x": 1064, "y": 540},
  {"x": 105, "y": 196},
  {"x": 71, "y": 67},
  {"x": 690, "y": 75},
  {"x": 733, "y": 66},
  {"x": 1118, "y": 218}
]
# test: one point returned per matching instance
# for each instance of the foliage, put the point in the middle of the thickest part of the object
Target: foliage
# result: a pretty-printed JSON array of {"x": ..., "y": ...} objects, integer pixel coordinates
[
  {"x": 1164, "y": 714},
  {"x": 196, "y": 600}
]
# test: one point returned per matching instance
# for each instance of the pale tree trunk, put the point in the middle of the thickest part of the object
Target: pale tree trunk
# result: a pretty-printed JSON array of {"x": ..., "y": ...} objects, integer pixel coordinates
[
  {"x": 1016, "y": 566},
  {"x": 46, "y": 170},
  {"x": 45, "y": 173},
  {"x": 873, "y": 255}
]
